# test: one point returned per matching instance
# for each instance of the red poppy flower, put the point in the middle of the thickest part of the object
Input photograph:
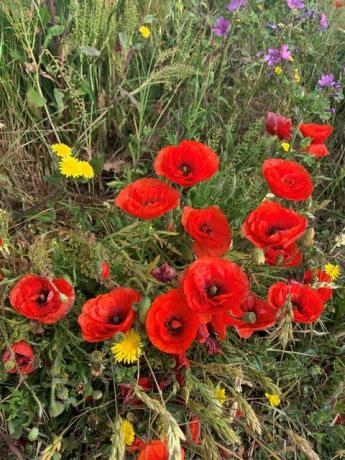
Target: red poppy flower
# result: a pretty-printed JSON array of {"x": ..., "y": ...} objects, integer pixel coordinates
[
  {"x": 170, "y": 324},
  {"x": 257, "y": 315},
  {"x": 321, "y": 277},
  {"x": 270, "y": 224},
  {"x": 38, "y": 298},
  {"x": 156, "y": 450},
  {"x": 287, "y": 179},
  {"x": 107, "y": 314},
  {"x": 339, "y": 4},
  {"x": 195, "y": 430},
  {"x": 284, "y": 257},
  {"x": 147, "y": 198},
  {"x": 23, "y": 356},
  {"x": 214, "y": 285},
  {"x": 278, "y": 125},
  {"x": 186, "y": 164},
  {"x": 316, "y": 149},
  {"x": 318, "y": 133},
  {"x": 307, "y": 305},
  {"x": 209, "y": 228}
]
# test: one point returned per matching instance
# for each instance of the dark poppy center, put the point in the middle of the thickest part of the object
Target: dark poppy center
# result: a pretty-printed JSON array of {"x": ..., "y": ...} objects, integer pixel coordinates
[
  {"x": 274, "y": 229},
  {"x": 174, "y": 325},
  {"x": 214, "y": 290},
  {"x": 205, "y": 228},
  {"x": 185, "y": 169},
  {"x": 42, "y": 297},
  {"x": 296, "y": 305},
  {"x": 116, "y": 319},
  {"x": 288, "y": 180},
  {"x": 249, "y": 317},
  {"x": 21, "y": 360},
  {"x": 149, "y": 202}
]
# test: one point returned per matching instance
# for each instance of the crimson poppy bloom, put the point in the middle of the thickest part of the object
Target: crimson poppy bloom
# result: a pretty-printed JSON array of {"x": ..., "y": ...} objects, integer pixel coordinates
[
  {"x": 317, "y": 133},
  {"x": 107, "y": 314},
  {"x": 278, "y": 126},
  {"x": 147, "y": 198},
  {"x": 170, "y": 324},
  {"x": 284, "y": 257},
  {"x": 287, "y": 179},
  {"x": 20, "y": 360},
  {"x": 270, "y": 224},
  {"x": 214, "y": 285},
  {"x": 320, "y": 277},
  {"x": 186, "y": 164},
  {"x": 156, "y": 450},
  {"x": 257, "y": 315},
  {"x": 195, "y": 430},
  {"x": 307, "y": 305},
  {"x": 317, "y": 149},
  {"x": 38, "y": 298},
  {"x": 210, "y": 230}
]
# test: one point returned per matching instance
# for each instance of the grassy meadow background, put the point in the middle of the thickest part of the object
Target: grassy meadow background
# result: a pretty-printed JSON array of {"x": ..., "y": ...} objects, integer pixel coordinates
[{"x": 79, "y": 72}]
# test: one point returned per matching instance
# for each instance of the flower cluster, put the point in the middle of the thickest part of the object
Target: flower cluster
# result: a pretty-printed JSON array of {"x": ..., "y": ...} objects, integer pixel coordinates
[{"x": 69, "y": 166}]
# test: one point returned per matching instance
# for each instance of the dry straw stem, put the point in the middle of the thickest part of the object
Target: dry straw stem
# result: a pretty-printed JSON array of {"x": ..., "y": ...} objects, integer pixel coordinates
[
  {"x": 303, "y": 445},
  {"x": 173, "y": 434},
  {"x": 118, "y": 447}
]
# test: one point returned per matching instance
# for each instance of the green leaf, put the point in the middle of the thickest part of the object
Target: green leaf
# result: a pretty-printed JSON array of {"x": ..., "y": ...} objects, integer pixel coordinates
[
  {"x": 59, "y": 97},
  {"x": 97, "y": 164},
  {"x": 33, "y": 435},
  {"x": 56, "y": 408},
  {"x": 90, "y": 51},
  {"x": 34, "y": 99},
  {"x": 142, "y": 309},
  {"x": 53, "y": 32}
]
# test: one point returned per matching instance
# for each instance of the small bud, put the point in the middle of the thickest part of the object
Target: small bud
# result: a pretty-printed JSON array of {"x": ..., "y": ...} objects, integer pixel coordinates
[
  {"x": 308, "y": 237},
  {"x": 105, "y": 270},
  {"x": 165, "y": 273},
  {"x": 97, "y": 394},
  {"x": 258, "y": 256},
  {"x": 33, "y": 434}
]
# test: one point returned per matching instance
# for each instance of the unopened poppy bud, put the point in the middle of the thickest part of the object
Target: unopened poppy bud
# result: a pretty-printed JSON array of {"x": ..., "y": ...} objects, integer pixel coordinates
[
  {"x": 308, "y": 237},
  {"x": 249, "y": 317},
  {"x": 258, "y": 256},
  {"x": 105, "y": 270},
  {"x": 165, "y": 273}
]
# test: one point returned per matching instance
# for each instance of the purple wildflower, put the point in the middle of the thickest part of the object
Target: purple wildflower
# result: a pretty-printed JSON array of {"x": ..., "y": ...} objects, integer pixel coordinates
[
  {"x": 236, "y": 4},
  {"x": 328, "y": 81},
  {"x": 273, "y": 57},
  {"x": 272, "y": 26},
  {"x": 310, "y": 13},
  {"x": 221, "y": 27},
  {"x": 332, "y": 110},
  {"x": 297, "y": 4},
  {"x": 323, "y": 22},
  {"x": 285, "y": 53}
]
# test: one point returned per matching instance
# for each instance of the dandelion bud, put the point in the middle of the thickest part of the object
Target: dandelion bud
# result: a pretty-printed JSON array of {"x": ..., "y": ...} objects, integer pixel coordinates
[{"x": 165, "y": 273}]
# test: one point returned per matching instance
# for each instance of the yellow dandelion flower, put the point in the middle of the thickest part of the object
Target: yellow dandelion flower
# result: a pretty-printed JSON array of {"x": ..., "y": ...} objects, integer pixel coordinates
[
  {"x": 296, "y": 76},
  {"x": 128, "y": 432},
  {"x": 129, "y": 349},
  {"x": 278, "y": 70},
  {"x": 69, "y": 167},
  {"x": 274, "y": 400},
  {"x": 285, "y": 146},
  {"x": 220, "y": 394},
  {"x": 86, "y": 170},
  {"x": 145, "y": 31},
  {"x": 61, "y": 150},
  {"x": 333, "y": 271}
]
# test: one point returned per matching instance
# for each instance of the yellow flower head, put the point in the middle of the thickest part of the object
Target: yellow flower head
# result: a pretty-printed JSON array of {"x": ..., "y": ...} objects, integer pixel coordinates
[
  {"x": 274, "y": 400},
  {"x": 285, "y": 146},
  {"x": 220, "y": 394},
  {"x": 296, "y": 76},
  {"x": 61, "y": 150},
  {"x": 333, "y": 271},
  {"x": 128, "y": 432},
  {"x": 69, "y": 167},
  {"x": 145, "y": 31},
  {"x": 86, "y": 170},
  {"x": 278, "y": 70},
  {"x": 129, "y": 349}
]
